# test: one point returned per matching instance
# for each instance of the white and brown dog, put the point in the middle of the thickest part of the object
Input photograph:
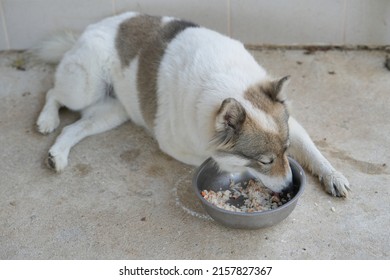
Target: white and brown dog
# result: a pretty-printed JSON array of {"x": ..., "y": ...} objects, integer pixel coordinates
[{"x": 199, "y": 93}]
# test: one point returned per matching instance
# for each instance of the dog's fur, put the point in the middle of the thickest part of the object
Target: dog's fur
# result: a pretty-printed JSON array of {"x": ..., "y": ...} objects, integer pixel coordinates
[{"x": 199, "y": 93}]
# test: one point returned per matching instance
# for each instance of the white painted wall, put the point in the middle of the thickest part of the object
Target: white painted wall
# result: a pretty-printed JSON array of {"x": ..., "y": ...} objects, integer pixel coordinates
[{"x": 276, "y": 22}]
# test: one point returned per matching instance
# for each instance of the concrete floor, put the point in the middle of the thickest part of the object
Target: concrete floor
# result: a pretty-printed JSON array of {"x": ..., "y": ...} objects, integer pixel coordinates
[{"x": 120, "y": 198}]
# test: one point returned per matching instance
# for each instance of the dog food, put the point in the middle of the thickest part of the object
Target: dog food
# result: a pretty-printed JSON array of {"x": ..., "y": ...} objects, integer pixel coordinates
[{"x": 249, "y": 196}]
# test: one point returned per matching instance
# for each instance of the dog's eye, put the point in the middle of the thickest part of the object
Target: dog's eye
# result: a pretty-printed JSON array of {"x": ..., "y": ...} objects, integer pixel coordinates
[{"x": 266, "y": 161}]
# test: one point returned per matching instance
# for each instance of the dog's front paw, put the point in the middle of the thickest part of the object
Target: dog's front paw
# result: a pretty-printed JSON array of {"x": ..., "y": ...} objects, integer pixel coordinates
[
  {"x": 56, "y": 162},
  {"x": 47, "y": 123},
  {"x": 336, "y": 184}
]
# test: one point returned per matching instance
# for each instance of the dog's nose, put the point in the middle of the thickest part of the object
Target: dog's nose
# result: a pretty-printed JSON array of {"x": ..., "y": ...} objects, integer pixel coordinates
[{"x": 288, "y": 183}]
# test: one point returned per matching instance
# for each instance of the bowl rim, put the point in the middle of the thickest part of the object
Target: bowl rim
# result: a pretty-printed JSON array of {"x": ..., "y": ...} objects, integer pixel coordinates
[{"x": 256, "y": 213}]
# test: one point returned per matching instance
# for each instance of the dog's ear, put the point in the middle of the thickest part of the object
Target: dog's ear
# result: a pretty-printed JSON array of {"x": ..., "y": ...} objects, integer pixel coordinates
[
  {"x": 230, "y": 118},
  {"x": 274, "y": 88}
]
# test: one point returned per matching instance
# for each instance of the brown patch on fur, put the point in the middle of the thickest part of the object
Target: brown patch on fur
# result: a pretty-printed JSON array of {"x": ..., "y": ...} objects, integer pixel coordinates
[
  {"x": 272, "y": 107},
  {"x": 265, "y": 94},
  {"x": 280, "y": 166},
  {"x": 147, "y": 37},
  {"x": 149, "y": 63},
  {"x": 133, "y": 34},
  {"x": 259, "y": 100}
]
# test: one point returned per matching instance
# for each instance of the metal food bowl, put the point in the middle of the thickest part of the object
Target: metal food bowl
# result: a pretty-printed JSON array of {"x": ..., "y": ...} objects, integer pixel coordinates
[{"x": 208, "y": 177}]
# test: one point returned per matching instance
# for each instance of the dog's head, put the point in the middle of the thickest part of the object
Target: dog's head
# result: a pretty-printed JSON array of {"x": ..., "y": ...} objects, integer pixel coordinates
[{"x": 253, "y": 134}]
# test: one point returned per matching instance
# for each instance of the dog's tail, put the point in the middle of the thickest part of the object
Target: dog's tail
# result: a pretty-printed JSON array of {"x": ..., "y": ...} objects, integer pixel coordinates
[{"x": 53, "y": 48}]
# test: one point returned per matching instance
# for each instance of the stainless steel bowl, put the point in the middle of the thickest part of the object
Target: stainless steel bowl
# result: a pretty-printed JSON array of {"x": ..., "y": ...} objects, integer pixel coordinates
[{"x": 208, "y": 177}]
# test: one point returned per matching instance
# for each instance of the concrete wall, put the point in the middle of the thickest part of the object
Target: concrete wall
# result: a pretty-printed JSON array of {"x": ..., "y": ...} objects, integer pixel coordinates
[{"x": 276, "y": 22}]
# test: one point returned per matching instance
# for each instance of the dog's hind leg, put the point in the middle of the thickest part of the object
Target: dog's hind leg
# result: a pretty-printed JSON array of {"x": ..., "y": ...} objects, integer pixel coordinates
[
  {"x": 306, "y": 153},
  {"x": 78, "y": 84},
  {"x": 99, "y": 117}
]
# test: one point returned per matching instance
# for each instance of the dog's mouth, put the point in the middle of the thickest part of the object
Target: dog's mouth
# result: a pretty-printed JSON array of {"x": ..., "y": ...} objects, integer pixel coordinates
[{"x": 276, "y": 184}]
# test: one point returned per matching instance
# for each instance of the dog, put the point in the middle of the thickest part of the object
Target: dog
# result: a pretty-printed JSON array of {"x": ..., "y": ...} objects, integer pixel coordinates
[{"x": 199, "y": 93}]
